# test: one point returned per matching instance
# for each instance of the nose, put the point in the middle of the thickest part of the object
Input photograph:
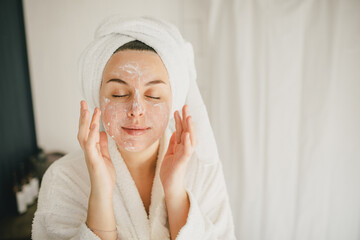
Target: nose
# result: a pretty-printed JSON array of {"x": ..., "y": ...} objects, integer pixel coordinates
[{"x": 136, "y": 110}]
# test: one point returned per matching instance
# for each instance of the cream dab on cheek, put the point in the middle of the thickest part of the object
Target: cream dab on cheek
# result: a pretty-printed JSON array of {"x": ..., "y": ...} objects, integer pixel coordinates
[
  {"x": 158, "y": 113},
  {"x": 157, "y": 116},
  {"x": 107, "y": 108}
]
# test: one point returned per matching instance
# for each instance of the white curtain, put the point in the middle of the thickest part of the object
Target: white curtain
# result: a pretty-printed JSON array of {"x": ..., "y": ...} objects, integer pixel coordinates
[{"x": 285, "y": 109}]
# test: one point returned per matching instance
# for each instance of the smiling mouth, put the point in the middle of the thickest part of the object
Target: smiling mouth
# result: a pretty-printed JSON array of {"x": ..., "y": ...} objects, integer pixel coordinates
[{"x": 135, "y": 131}]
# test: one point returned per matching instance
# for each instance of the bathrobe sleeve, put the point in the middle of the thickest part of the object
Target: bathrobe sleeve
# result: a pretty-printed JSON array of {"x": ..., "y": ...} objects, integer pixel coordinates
[
  {"x": 62, "y": 205},
  {"x": 209, "y": 216}
]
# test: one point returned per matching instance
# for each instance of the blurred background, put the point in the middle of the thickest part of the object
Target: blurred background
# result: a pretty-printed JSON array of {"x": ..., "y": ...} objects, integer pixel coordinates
[{"x": 280, "y": 79}]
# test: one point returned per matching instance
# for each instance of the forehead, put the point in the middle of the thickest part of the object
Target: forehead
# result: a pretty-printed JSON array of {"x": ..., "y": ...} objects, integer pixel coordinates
[{"x": 134, "y": 63}]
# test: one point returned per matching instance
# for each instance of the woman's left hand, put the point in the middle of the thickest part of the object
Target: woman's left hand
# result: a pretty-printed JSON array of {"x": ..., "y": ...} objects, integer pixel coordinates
[{"x": 181, "y": 146}]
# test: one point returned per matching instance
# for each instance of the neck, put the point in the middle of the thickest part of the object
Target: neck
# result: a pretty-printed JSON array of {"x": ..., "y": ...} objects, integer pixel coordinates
[{"x": 144, "y": 162}]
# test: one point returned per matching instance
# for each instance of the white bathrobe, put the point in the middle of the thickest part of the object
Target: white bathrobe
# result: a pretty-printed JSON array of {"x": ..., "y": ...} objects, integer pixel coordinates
[{"x": 65, "y": 189}]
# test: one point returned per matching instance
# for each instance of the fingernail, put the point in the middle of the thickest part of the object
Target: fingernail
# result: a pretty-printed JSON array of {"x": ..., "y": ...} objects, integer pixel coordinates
[{"x": 93, "y": 126}]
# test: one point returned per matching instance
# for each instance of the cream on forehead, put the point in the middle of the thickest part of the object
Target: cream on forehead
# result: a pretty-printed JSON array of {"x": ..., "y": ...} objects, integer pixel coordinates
[{"x": 133, "y": 69}]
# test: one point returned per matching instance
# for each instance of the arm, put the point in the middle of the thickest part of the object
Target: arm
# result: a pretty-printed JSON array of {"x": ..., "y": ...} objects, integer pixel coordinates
[
  {"x": 100, "y": 217},
  {"x": 181, "y": 146},
  {"x": 205, "y": 213},
  {"x": 177, "y": 204}
]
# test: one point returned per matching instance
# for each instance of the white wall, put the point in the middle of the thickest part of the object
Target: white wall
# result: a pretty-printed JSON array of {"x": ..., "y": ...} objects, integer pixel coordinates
[{"x": 58, "y": 31}]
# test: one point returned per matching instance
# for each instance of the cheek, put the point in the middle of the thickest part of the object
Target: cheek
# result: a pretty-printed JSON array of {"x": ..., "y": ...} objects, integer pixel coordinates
[
  {"x": 157, "y": 116},
  {"x": 113, "y": 115}
]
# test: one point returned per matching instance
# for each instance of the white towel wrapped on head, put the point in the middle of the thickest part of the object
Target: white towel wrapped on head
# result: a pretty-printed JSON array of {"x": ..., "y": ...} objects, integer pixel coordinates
[{"x": 177, "y": 56}]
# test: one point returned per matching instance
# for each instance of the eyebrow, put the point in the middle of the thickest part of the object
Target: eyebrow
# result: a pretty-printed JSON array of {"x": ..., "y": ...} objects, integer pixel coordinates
[
  {"x": 155, "y": 82},
  {"x": 118, "y": 81},
  {"x": 125, "y": 83}
]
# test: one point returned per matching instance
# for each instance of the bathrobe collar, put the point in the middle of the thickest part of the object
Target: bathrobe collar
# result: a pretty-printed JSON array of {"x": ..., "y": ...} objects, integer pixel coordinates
[{"x": 157, "y": 223}]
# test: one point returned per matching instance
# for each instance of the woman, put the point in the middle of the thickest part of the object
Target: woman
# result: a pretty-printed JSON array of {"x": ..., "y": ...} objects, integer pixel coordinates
[{"x": 151, "y": 174}]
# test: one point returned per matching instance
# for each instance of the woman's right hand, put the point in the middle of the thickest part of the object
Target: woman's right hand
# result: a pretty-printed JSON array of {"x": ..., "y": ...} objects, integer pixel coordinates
[
  {"x": 95, "y": 146},
  {"x": 100, "y": 215}
]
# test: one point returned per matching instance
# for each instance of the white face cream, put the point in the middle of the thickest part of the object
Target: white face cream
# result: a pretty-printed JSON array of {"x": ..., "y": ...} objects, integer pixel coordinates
[{"x": 135, "y": 105}]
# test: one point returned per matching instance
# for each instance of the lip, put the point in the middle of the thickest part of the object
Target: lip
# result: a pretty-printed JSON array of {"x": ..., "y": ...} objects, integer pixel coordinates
[{"x": 135, "y": 130}]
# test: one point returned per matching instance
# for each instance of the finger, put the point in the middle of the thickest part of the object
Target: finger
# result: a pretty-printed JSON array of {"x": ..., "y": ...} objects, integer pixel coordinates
[
  {"x": 178, "y": 126},
  {"x": 104, "y": 147},
  {"x": 83, "y": 125},
  {"x": 93, "y": 134},
  {"x": 183, "y": 138},
  {"x": 187, "y": 145},
  {"x": 172, "y": 143},
  {"x": 184, "y": 116},
  {"x": 191, "y": 131},
  {"x": 81, "y": 111},
  {"x": 96, "y": 120}
]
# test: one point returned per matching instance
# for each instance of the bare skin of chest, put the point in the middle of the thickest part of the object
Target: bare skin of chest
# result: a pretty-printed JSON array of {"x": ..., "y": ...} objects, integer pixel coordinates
[{"x": 144, "y": 186}]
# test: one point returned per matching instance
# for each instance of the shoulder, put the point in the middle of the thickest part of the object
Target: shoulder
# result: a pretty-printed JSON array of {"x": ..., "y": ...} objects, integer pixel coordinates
[
  {"x": 63, "y": 198},
  {"x": 67, "y": 179},
  {"x": 71, "y": 164}
]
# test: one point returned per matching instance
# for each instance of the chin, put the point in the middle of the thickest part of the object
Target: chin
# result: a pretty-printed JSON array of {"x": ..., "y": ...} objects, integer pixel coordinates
[{"x": 133, "y": 146}]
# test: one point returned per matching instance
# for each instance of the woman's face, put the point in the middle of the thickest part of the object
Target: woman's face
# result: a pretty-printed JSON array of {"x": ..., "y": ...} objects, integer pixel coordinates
[{"x": 135, "y": 99}]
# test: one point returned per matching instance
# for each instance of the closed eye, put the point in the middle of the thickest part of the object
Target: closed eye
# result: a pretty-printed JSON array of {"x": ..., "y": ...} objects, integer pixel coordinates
[
  {"x": 120, "y": 95},
  {"x": 153, "y": 97}
]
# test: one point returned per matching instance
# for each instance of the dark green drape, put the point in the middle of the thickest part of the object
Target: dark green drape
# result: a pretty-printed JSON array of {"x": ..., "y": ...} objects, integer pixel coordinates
[{"x": 17, "y": 128}]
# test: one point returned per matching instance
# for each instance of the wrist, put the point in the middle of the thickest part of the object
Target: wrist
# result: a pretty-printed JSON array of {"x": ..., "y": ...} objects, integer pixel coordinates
[
  {"x": 105, "y": 197},
  {"x": 100, "y": 216},
  {"x": 103, "y": 188},
  {"x": 175, "y": 192},
  {"x": 174, "y": 183}
]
